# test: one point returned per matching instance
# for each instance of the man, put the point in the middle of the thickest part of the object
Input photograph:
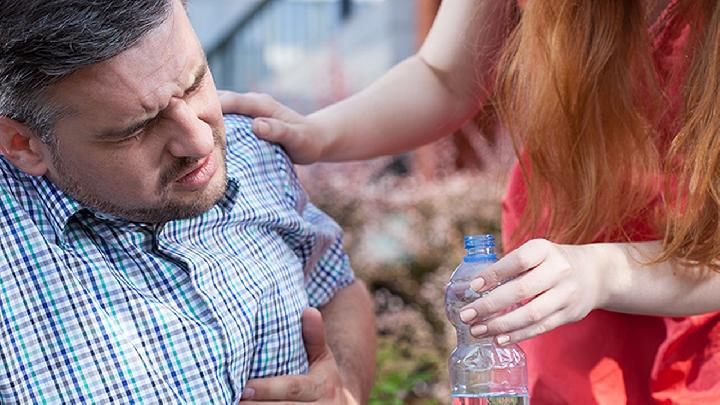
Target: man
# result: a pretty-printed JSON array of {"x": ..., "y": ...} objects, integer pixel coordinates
[{"x": 151, "y": 251}]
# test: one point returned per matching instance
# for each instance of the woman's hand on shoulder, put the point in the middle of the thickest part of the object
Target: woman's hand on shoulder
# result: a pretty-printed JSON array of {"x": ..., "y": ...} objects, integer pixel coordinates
[
  {"x": 550, "y": 285},
  {"x": 277, "y": 123}
]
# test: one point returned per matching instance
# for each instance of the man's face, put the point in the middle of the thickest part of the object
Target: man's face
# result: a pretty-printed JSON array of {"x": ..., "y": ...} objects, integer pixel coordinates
[{"x": 145, "y": 139}]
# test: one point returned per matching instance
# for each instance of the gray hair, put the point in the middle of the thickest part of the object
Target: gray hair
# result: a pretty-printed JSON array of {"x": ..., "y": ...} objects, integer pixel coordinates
[{"x": 44, "y": 41}]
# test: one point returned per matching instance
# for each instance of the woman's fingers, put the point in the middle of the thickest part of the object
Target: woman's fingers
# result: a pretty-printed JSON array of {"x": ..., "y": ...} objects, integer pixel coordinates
[
  {"x": 272, "y": 130},
  {"x": 535, "y": 313},
  {"x": 301, "y": 141},
  {"x": 546, "y": 325},
  {"x": 274, "y": 122},
  {"x": 560, "y": 287},
  {"x": 255, "y": 105},
  {"x": 530, "y": 284},
  {"x": 251, "y": 104},
  {"x": 520, "y": 260}
]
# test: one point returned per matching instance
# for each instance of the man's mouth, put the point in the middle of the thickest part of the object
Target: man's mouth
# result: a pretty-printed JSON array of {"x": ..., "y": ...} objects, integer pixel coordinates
[{"x": 199, "y": 175}]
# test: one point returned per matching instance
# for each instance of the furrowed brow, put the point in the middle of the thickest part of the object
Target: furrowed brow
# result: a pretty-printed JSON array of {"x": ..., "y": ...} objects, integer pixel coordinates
[
  {"x": 131, "y": 129},
  {"x": 199, "y": 77}
]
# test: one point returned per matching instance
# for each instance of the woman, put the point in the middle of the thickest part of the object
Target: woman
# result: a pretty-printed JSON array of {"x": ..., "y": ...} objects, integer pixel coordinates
[{"x": 612, "y": 215}]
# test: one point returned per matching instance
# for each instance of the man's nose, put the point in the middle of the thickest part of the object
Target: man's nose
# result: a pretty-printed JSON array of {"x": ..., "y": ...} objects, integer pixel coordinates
[{"x": 190, "y": 136}]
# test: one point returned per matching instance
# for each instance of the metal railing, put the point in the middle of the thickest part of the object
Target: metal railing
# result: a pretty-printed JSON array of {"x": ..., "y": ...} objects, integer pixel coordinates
[{"x": 242, "y": 56}]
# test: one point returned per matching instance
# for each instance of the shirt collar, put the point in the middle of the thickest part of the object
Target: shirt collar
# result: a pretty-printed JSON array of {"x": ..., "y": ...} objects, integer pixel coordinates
[
  {"x": 59, "y": 207},
  {"x": 227, "y": 202}
]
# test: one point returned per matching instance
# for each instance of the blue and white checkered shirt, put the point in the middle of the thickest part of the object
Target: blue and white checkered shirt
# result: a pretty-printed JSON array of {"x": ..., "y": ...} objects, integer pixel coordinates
[{"x": 94, "y": 309}]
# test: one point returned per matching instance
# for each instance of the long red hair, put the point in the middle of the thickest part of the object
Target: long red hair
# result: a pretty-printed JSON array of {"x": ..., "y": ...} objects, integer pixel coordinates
[{"x": 578, "y": 91}]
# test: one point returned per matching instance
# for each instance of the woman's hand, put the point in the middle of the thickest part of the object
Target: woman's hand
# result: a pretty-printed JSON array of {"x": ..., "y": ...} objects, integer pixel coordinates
[
  {"x": 551, "y": 285},
  {"x": 302, "y": 140}
]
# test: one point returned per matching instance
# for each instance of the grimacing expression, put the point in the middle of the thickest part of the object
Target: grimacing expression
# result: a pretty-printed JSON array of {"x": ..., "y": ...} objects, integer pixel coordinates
[{"x": 144, "y": 139}]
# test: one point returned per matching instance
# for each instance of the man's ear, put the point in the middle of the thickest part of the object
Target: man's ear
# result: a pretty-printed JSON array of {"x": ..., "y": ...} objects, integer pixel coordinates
[{"x": 21, "y": 147}]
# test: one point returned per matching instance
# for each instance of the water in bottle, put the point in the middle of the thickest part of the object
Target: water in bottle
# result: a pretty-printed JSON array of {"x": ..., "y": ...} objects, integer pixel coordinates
[{"x": 481, "y": 372}]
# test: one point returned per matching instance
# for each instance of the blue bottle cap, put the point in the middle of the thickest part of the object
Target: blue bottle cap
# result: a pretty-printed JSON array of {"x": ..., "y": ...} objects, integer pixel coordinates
[{"x": 474, "y": 242}]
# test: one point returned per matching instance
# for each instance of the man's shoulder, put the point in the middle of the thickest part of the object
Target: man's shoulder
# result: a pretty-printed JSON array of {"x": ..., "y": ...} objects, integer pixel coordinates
[
  {"x": 243, "y": 146},
  {"x": 239, "y": 133},
  {"x": 258, "y": 167},
  {"x": 241, "y": 123}
]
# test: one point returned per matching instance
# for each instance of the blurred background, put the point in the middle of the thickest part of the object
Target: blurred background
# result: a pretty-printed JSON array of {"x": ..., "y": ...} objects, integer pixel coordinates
[{"x": 404, "y": 216}]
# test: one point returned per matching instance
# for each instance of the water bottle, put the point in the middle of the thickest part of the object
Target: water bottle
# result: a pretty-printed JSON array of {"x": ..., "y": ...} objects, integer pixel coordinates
[{"x": 481, "y": 372}]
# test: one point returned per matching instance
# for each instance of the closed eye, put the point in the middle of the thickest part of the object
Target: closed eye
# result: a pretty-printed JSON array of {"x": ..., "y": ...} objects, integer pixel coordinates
[
  {"x": 199, "y": 80},
  {"x": 137, "y": 133},
  {"x": 132, "y": 138}
]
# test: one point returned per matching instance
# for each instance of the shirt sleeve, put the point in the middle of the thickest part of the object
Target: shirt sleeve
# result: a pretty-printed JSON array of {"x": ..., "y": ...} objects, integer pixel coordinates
[{"x": 319, "y": 242}]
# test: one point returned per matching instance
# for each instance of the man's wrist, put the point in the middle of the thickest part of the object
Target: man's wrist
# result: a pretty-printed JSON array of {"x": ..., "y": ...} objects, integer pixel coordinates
[{"x": 353, "y": 389}]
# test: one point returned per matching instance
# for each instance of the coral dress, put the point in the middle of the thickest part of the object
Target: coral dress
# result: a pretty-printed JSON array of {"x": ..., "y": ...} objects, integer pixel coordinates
[{"x": 614, "y": 358}]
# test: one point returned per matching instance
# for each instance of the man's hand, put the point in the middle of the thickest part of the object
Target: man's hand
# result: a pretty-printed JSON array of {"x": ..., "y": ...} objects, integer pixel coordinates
[{"x": 322, "y": 385}]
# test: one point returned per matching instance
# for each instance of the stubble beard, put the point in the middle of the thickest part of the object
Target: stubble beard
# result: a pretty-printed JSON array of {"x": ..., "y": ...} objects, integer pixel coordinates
[{"x": 167, "y": 210}]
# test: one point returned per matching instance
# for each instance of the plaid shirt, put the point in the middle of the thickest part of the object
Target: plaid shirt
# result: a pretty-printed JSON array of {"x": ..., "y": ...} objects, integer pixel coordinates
[{"x": 95, "y": 309}]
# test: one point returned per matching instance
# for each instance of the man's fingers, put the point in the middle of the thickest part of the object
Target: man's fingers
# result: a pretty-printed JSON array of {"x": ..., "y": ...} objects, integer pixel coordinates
[
  {"x": 314, "y": 335},
  {"x": 296, "y": 388},
  {"x": 292, "y": 388}
]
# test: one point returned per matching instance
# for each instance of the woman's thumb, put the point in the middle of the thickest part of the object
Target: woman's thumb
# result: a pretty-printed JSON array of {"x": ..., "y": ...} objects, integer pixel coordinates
[{"x": 270, "y": 129}]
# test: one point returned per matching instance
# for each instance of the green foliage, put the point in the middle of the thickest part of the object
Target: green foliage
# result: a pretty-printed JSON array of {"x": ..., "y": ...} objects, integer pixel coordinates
[{"x": 400, "y": 374}]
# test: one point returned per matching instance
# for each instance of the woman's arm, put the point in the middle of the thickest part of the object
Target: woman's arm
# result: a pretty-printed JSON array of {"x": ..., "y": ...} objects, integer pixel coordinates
[
  {"x": 663, "y": 289},
  {"x": 425, "y": 97},
  {"x": 559, "y": 284}
]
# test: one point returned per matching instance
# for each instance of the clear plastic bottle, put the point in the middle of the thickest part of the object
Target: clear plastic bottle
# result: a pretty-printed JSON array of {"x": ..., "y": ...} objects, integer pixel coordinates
[{"x": 481, "y": 372}]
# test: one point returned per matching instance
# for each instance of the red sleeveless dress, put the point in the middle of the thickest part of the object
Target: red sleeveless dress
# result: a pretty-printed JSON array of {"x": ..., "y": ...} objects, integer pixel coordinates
[{"x": 614, "y": 358}]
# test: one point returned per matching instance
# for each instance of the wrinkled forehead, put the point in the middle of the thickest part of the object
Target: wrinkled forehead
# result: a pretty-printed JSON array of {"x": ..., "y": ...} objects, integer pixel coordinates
[{"x": 139, "y": 80}]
